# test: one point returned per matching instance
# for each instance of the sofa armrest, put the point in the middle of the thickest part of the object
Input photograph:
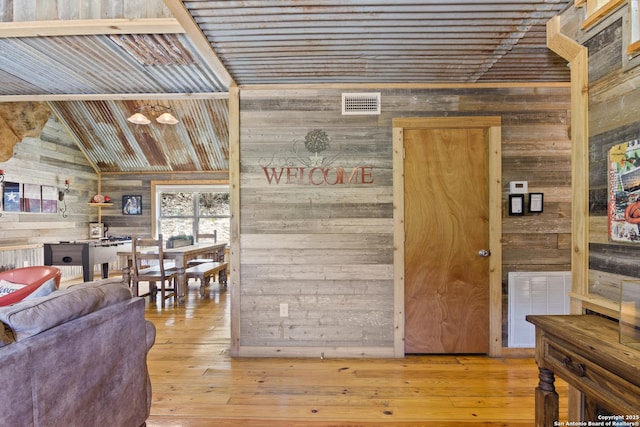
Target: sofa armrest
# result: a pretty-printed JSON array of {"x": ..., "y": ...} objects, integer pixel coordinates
[
  {"x": 151, "y": 334},
  {"x": 151, "y": 339}
]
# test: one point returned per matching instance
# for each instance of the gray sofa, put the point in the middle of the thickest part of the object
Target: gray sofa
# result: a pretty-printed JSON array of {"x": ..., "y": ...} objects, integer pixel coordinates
[{"x": 77, "y": 357}]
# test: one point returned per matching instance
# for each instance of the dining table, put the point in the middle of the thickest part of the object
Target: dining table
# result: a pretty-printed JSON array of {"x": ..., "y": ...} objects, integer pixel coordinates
[{"x": 181, "y": 256}]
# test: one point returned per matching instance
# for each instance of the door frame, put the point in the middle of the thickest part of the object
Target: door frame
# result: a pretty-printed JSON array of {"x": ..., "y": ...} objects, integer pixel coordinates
[{"x": 493, "y": 124}]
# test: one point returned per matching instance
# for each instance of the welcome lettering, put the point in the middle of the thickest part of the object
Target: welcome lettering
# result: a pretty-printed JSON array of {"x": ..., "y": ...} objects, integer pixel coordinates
[{"x": 359, "y": 175}]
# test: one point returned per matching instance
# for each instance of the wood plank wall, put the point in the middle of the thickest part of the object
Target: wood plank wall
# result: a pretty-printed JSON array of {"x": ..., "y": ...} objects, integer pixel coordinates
[
  {"x": 43, "y": 10},
  {"x": 326, "y": 251},
  {"x": 614, "y": 102},
  {"x": 49, "y": 160}
]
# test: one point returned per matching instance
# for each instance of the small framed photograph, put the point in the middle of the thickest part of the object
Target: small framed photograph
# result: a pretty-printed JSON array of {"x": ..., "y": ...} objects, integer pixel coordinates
[
  {"x": 131, "y": 205},
  {"x": 516, "y": 204},
  {"x": 536, "y": 204},
  {"x": 96, "y": 230}
]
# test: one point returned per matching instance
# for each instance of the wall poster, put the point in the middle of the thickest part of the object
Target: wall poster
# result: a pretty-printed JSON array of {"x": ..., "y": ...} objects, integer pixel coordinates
[{"x": 624, "y": 192}]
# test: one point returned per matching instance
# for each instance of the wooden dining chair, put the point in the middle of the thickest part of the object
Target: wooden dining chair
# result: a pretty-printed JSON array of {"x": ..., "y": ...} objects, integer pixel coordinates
[
  {"x": 204, "y": 238},
  {"x": 149, "y": 266}
]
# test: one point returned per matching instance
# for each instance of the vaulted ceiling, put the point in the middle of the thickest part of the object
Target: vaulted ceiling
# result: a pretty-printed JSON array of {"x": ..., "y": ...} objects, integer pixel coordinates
[{"x": 95, "y": 68}]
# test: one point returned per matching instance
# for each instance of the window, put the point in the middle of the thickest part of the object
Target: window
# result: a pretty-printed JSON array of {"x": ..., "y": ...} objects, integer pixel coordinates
[
  {"x": 189, "y": 210},
  {"x": 598, "y": 10},
  {"x": 634, "y": 18}
]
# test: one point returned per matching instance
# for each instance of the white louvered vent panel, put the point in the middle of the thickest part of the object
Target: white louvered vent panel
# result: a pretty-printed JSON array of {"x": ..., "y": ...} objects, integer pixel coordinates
[
  {"x": 360, "y": 103},
  {"x": 535, "y": 293}
]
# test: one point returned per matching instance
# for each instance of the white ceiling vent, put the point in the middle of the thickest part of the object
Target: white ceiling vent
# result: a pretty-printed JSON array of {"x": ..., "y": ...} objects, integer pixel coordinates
[{"x": 361, "y": 103}]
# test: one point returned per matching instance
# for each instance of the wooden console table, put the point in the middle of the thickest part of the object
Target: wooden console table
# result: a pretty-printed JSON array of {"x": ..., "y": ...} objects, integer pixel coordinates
[{"x": 585, "y": 351}]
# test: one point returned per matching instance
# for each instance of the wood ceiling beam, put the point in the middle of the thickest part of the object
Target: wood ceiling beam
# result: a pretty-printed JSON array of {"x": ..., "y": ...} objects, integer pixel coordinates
[
  {"x": 199, "y": 40},
  {"x": 85, "y": 27},
  {"x": 114, "y": 96}
]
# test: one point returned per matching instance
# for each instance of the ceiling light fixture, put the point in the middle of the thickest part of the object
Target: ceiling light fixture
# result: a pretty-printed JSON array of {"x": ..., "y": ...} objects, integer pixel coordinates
[{"x": 164, "y": 118}]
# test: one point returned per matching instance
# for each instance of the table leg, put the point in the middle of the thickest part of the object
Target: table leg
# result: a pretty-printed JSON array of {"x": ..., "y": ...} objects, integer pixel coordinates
[
  {"x": 547, "y": 409},
  {"x": 182, "y": 284},
  {"x": 126, "y": 272},
  {"x": 105, "y": 270}
]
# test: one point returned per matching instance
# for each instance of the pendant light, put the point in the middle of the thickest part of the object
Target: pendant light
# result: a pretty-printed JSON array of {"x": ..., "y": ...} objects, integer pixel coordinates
[{"x": 165, "y": 117}]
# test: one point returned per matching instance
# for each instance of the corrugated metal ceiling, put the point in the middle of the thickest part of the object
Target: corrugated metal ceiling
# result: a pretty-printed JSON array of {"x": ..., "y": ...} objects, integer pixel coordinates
[
  {"x": 198, "y": 142},
  {"x": 263, "y": 42},
  {"x": 102, "y": 64}
]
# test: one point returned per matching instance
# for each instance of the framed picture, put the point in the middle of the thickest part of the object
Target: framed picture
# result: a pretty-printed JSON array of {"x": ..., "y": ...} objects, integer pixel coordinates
[
  {"x": 32, "y": 198},
  {"x": 49, "y": 199},
  {"x": 131, "y": 205},
  {"x": 536, "y": 204},
  {"x": 11, "y": 197},
  {"x": 96, "y": 230},
  {"x": 516, "y": 204}
]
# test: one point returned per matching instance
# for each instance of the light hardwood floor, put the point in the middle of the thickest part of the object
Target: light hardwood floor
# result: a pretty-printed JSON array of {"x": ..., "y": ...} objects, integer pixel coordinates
[{"x": 196, "y": 383}]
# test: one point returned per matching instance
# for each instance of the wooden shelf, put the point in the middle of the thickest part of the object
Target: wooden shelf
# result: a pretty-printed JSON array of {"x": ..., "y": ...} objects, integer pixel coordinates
[{"x": 100, "y": 204}]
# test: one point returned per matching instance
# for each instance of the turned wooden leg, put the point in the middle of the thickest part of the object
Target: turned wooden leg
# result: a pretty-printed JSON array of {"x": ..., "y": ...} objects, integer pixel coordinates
[
  {"x": 547, "y": 410},
  {"x": 126, "y": 275},
  {"x": 181, "y": 284}
]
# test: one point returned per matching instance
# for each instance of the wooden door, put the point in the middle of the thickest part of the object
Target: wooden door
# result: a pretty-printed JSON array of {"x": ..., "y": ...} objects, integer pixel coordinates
[{"x": 446, "y": 199}]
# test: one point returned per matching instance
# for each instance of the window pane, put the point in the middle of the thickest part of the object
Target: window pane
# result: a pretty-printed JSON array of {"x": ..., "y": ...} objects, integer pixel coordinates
[
  {"x": 176, "y": 227},
  {"x": 176, "y": 204},
  {"x": 214, "y": 204},
  {"x": 220, "y": 225}
]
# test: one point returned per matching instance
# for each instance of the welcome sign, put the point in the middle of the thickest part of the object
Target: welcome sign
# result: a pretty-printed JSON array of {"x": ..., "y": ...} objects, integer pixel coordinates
[{"x": 316, "y": 166}]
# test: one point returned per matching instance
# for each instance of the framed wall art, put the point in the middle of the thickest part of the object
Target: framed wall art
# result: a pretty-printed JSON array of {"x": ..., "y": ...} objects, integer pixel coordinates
[
  {"x": 96, "y": 230},
  {"x": 536, "y": 202},
  {"x": 516, "y": 204},
  {"x": 49, "y": 199},
  {"x": 131, "y": 205},
  {"x": 12, "y": 197},
  {"x": 32, "y": 198}
]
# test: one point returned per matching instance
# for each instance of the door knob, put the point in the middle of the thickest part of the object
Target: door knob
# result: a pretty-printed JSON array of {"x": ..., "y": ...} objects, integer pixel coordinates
[{"x": 484, "y": 252}]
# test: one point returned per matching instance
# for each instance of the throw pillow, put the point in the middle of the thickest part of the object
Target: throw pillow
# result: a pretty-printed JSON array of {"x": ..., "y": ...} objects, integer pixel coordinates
[
  {"x": 43, "y": 290},
  {"x": 6, "y": 287}
]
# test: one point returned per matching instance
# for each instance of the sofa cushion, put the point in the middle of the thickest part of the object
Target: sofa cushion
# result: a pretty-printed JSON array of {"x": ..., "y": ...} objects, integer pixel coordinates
[{"x": 32, "y": 316}]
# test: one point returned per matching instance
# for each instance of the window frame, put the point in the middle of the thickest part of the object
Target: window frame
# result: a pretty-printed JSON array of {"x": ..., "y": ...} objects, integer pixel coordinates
[
  {"x": 197, "y": 187},
  {"x": 634, "y": 27},
  {"x": 597, "y": 10}
]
